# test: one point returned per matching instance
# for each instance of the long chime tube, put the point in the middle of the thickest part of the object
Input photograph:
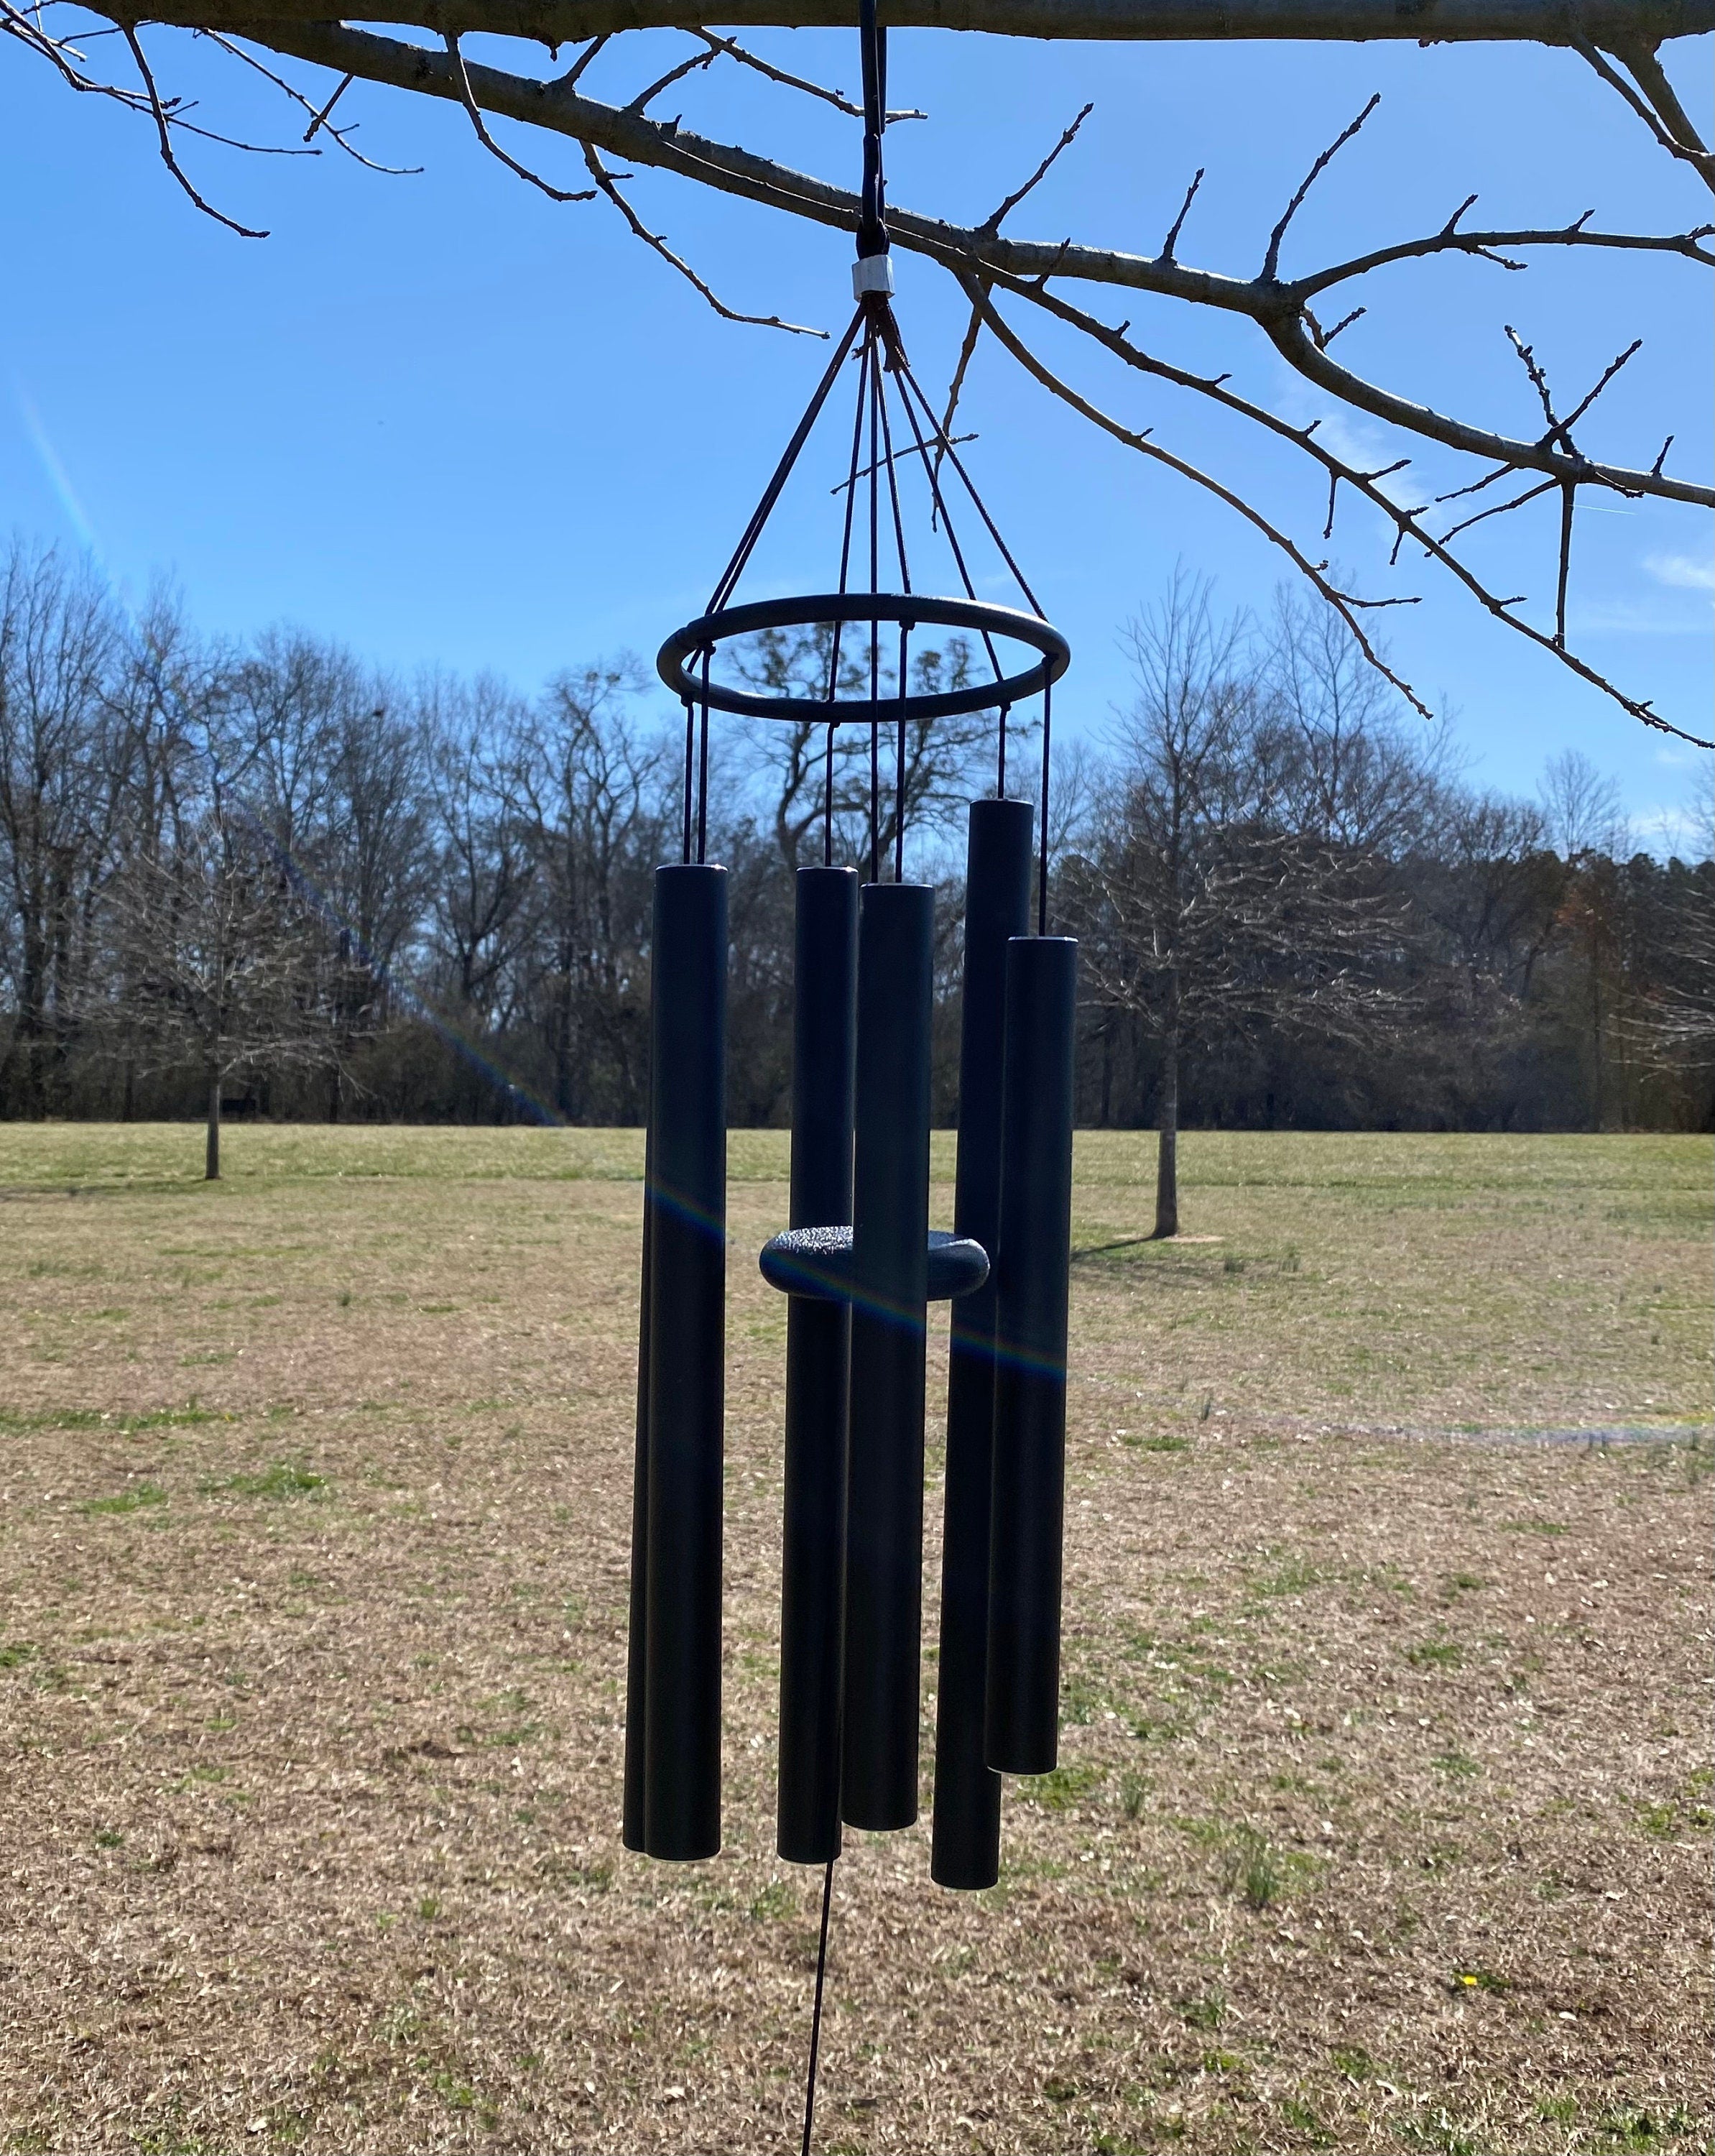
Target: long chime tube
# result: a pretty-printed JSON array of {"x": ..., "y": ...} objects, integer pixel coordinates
[
  {"x": 889, "y": 1287},
  {"x": 687, "y": 1344},
  {"x": 818, "y": 1358},
  {"x": 966, "y": 1850},
  {"x": 637, "y": 1638},
  {"x": 1033, "y": 1264}
]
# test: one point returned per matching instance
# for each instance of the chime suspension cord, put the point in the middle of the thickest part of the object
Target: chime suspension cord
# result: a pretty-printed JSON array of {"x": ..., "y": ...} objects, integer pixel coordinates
[
  {"x": 689, "y": 737},
  {"x": 1042, "y": 852},
  {"x": 904, "y": 680},
  {"x": 783, "y": 470},
  {"x": 827, "y": 1896},
  {"x": 865, "y": 360},
  {"x": 958, "y": 552},
  {"x": 874, "y": 629},
  {"x": 703, "y": 774}
]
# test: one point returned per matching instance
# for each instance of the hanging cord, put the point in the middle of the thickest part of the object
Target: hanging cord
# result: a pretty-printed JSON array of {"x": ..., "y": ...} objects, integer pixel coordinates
[
  {"x": 1042, "y": 857},
  {"x": 827, "y": 1895},
  {"x": 866, "y": 359},
  {"x": 874, "y": 630},
  {"x": 871, "y": 218},
  {"x": 703, "y": 774},
  {"x": 904, "y": 680},
  {"x": 690, "y": 736},
  {"x": 1001, "y": 773}
]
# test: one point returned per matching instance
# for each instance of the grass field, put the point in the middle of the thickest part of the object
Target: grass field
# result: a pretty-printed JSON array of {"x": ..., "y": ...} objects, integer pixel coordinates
[{"x": 1383, "y": 1818}]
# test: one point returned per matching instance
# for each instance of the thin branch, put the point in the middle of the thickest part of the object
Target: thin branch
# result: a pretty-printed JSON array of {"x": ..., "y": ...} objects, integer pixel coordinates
[
  {"x": 462, "y": 82},
  {"x": 996, "y": 217},
  {"x": 837, "y": 98},
  {"x": 644, "y": 98},
  {"x": 1700, "y": 159},
  {"x": 1613, "y": 368},
  {"x": 1271, "y": 261},
  {"x": 1500, "y": 508},
  {"x": 604, "y": 181},
  {"x": 1487, "y": 244},
  {"x": 1185, "y": 210},
  {"x": 1406, "y": 522},
  {"x": 318, "y": 119},
  {"x": 1315, "y": 572},
  {"x": 167, "y": 158}
]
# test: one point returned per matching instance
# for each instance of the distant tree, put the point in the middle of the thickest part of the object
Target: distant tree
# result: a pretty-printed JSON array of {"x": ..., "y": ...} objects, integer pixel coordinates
[
  {"x": 62, "y": 786},
  {"x": 214, "y": 964},
  {"x": 1232, "y": 879}
]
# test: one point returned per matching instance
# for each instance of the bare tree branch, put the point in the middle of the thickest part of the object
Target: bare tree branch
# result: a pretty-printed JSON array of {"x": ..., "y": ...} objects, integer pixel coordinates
[
  {"x": 996, "y": 217},
  {"x": 604, "y": 181},
  {"x": 167, "y": 158},
  {"x": 1271, "y": 260},
  {"x": 837, "y": 98},
  {"x": 462, "y": 83}
]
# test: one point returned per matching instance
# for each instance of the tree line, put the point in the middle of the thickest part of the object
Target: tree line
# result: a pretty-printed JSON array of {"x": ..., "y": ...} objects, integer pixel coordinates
[{"x": 267, "y": 878}]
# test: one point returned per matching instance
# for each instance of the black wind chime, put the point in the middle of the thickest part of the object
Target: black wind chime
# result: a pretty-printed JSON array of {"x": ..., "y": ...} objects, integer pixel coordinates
[{"x": 859, "y": 1262}]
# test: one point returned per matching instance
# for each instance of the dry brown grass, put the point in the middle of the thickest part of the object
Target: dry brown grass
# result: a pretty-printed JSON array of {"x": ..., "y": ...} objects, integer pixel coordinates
[{"x": 1383, "y": 1814}]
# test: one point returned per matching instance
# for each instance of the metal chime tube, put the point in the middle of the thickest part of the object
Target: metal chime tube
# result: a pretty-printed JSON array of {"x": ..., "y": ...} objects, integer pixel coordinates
[
  {"x": 686, "y": 1342},
  {"x": 889, "y": 1284},
  {"x": 638, "y": 1637},
  {"x": 1033, "y": 1267},
  {"x": 818, "y": 1345},
  {"x": 967, "y": 1801}
]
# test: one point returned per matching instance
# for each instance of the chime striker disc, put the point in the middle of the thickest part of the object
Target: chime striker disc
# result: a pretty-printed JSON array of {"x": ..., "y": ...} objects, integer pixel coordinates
[
  {"x": 817, "y": 1261},
  {"x": 909, "y": 610}
]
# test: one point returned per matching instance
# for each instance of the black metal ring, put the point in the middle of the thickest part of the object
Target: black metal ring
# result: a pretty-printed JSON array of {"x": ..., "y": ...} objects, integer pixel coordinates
[{"x": 913, "y": 610}]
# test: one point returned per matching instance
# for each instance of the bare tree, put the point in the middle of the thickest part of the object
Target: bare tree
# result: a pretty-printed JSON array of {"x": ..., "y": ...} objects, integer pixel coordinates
[
  {"x": 62, "y": 781},
  {"x": 590, "y": 792},
  {"x": 1208, "y": 901},
  {"x": 214, "y": 960},
  {"x": 1464, "y": 471}
]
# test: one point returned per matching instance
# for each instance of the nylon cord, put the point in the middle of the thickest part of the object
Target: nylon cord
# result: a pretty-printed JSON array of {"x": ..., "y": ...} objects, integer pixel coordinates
[{"x": 827, "y": 1895}]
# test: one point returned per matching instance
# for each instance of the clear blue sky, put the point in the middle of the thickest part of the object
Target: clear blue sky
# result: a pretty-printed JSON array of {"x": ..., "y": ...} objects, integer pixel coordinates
[{"x": 449, "y": 421}]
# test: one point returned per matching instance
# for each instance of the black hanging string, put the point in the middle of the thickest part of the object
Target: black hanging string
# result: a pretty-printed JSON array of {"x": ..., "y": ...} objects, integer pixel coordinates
[
  {"x": 874, "y": 629},
  {"x": 703, "y": 774},
  {"x": 865, "y": 360},
  {"x": 899, "y": 762},
  {"x": 827, "y": 1895},
  {"x": 941, "y": 511},
  {"x": 690, "y": 735},
  {"x": 1043, "y": 853},
  {"x": 1001, "y": 772}
]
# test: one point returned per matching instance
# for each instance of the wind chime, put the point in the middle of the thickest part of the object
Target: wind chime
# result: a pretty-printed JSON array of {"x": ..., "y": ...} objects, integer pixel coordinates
[{"x": 859, "y": 1263}]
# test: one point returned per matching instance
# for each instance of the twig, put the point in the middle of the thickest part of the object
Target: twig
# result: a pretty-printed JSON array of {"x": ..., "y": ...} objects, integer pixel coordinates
[
  {"x": 1271, "y": 261},
  {"x": 167, "y": 158},
  {"x": 1185, "y": 210},
  {"x": 604, "y": 181},
  {"x": 995, "y": 218},
  {"x": 1699, "y": 159},
  {"x": 456, "y": 59},
  {"x": 841, "y": 103},
  {"x": 640, "y": 103},
  {"x": 1342, "y": 602},
  {"x": 318, "y": 120},
  {"x": 973, "y": 330}
]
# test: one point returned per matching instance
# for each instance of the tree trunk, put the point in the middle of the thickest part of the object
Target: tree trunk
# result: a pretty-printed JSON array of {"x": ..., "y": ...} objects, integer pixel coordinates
[
  {"x": 211, "y": 1165},
  {"x": 1167, "y": 1152}
]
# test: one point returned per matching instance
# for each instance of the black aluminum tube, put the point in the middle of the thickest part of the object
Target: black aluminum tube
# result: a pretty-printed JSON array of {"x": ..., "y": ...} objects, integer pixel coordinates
[
  {"x": 889, "y": 1277},
  {"x": 818, "y": 1355},
  {"x": 637, "y": 1637},
  {"x": 967, "y": 1804},
  {"x": 1033, "y": 1265},
  {"x": 687, "y": 1343}
]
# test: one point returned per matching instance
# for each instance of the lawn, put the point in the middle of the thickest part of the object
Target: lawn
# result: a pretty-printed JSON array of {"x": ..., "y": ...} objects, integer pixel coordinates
[{"x": 1383, "y": 1814}]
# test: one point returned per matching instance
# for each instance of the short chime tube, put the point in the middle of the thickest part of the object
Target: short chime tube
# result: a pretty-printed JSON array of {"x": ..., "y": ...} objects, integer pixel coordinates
[
  {"x": 818, "y": 1343},
  {"x": 1033, "y": 1263},
  {"x": 889, "y": 1285},
  {"x": 966, "y": 1850},
  {"x": 687, "y": 1342},
  {"x": 637, "y": 1637}
]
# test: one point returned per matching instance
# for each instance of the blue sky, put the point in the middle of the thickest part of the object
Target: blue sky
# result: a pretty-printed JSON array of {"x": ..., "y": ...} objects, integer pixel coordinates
[{"x": 451, "y": 421}]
